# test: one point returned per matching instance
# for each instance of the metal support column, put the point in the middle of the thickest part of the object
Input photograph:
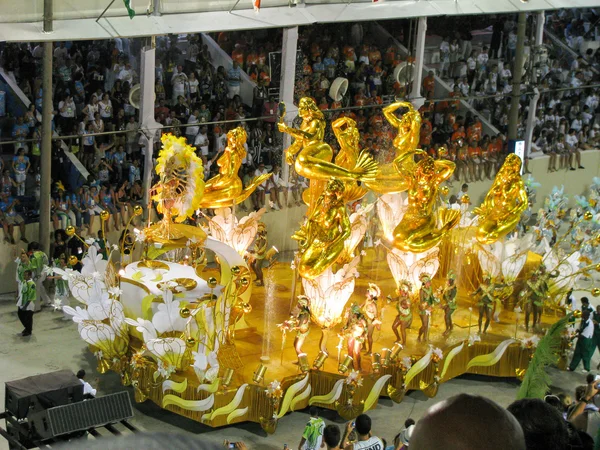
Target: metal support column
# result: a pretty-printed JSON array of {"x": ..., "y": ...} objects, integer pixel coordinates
[
  {"x": 46, "y": 150},
  {"x": 288, "y": 80},
  {"x": 149, "y": 126},
  {"x": 419, "y": 57},
  {"x": 540, "y": 20},
  {"x": 513, "y": 116}
]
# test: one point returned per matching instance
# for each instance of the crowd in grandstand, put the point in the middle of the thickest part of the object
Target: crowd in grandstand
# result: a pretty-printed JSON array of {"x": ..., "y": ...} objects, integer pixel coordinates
[{"x": 93, "y": 80}]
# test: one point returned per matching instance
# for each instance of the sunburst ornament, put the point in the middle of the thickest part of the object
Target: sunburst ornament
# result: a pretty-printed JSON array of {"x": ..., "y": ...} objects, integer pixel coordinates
[{"x": 181, "y": 175}]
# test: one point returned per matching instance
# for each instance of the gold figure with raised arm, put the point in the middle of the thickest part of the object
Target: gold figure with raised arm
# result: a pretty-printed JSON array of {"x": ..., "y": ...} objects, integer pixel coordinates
[
  {"x": 314, "y": 156},
  {"x": 407, "y": 138},
  {"x": 321, "y": 238},
  {"x": 500, "y": 212},
  {"x": 408, "y": 126},
  {"x": 226, "y": 188},
  {"x": 418, "y": 231}
]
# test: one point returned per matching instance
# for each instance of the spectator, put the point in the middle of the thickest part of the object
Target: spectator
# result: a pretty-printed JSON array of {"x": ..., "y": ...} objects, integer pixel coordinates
[
  {"x": 365, "y": 439},
  {"x": 21, "y": 166},
  {"x": 467, "y": 422},
  {"x": 10, "y": 218},
  {"x": 88, "y": 390},
  {"x": 543, "y": 426},
  {"x": 402, "y": 439},
  {"x": 20, "y": 132},
  {"x": 234, "y": 80},
  {"x": 313, "y": 432},
  {"x": 331, "y": 437}
]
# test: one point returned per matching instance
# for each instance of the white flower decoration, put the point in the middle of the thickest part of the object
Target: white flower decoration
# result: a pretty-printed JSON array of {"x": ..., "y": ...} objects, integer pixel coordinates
[
  {"x": 530, "y": 342},
  {"x": 363, "y": 253},
  {"x": 140, "y": 236},
  {"x": 57, "y": 304},
  {"x": 273, "y": 387},
  {"x": 354, "y": 377},
  {"x": 406, "y": 362},
  {"x": 438, "y": 352},
  {"x": 49, "y": 271},
  {"x": 115, "y": 291},
  {"x": 474, "y": 338},
  {"x": 377, "y": 243}
]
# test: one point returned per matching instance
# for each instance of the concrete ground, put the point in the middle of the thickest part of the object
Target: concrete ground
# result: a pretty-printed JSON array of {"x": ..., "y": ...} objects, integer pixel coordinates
[{"x": 55, "y": 345}]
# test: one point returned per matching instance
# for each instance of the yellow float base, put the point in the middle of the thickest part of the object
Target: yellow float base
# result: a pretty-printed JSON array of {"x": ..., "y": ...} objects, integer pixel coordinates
[{"x": 260, "y": 337}]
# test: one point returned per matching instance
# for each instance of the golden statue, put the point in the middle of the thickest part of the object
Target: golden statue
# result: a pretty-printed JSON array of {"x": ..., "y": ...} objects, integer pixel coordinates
[
  {"x": 315, "y": 156},
  {"x": 418, "y": 230},
  {"x": 321, "y": 238},
  {"x": 406, "y": 141},
  {"x": 408, "y": 126},
  {"x": 348, "y": 137},
  {"x": 226, "y": 188},
  {"x": 504, "y": 203},
  {"x": 179, "y": 191}
]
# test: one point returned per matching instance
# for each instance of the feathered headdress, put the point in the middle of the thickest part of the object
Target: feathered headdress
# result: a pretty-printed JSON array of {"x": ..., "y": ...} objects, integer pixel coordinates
[{"x": 373, "y": 291}]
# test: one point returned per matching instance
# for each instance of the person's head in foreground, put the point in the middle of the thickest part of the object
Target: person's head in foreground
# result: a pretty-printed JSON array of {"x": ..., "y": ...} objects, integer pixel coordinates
[
  {"x": 467, "y": 422},
  {"x": 543, "y": 425}
]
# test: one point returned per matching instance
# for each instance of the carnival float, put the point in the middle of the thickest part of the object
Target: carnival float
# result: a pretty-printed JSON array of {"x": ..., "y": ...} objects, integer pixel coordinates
[{"x": 390, "y": 288}]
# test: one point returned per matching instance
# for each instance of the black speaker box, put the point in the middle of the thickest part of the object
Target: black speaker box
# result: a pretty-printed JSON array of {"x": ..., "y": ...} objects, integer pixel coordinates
[{"x": 41, "y": 392}]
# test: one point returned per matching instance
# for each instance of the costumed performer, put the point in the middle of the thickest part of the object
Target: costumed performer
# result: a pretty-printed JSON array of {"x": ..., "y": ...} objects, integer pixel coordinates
[
  {"x": 300, "y": 323},
  {"x": 258, "y": 254},
  {"x": 371, "y": 313},
  {"x": 449, "y": 305},
  {"x": 26, "y": 303},
  {"x": 584, "y": 348},
  {"x": 403, "y": 306},
  {"x": 486, "y": 300},
  {"x": 426, "y": 302},
  {"x": 23, "y": 264},
  {"x": 355, "y": 331}
]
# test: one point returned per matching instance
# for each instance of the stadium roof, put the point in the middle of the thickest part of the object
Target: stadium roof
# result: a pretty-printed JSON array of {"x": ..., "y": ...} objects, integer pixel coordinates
[{"x": 76, "y": 19}]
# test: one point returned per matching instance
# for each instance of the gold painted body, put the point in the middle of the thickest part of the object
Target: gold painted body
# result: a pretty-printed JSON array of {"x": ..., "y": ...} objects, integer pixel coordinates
[{"x": 504, "y": 203}]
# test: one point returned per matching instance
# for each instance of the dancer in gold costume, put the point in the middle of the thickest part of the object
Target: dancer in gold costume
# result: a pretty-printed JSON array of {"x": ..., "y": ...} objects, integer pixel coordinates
[
  {"x": 404, "y": 317},
  {"x": 486, "y": 301},
  {"x": 427, "y": 301},
  {"x": 355, "y": 331},
  {"x": 535, "y": 293},
  {"x": 371, "y": 313},
  {"x": 314, "y": 155},
  {"x": 226, "y": 188},
  {"x": 321, "y": 238},
  {"x": 418, "y": 230},
  {"x": 448, "y": 294},
  {"x": 504, "y": 203},
  {"x": 299, "y": 323}
]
